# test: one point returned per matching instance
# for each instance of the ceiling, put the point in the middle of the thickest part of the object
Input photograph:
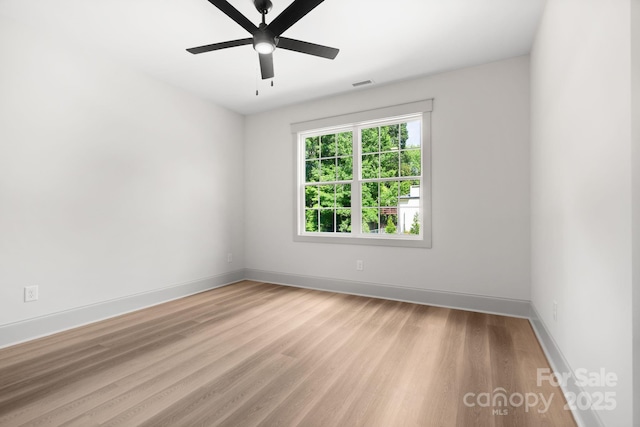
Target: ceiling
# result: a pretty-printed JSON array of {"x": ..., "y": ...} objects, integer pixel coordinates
[{"x": 383, "y": 41}]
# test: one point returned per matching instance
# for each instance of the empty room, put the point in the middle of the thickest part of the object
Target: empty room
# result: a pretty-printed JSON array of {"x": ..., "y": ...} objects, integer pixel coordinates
[{"x": 320, "y": 213}]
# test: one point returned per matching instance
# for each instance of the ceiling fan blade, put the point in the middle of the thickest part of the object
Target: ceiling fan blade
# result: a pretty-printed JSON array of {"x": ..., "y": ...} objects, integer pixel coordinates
[
  {"x": 308, "y": 48},
  {"x": 291, "y": 15},
  {"x": 266, "y": 65},
  {"x": 218, "y": 46},
  {"x": 234, "y": 14}
]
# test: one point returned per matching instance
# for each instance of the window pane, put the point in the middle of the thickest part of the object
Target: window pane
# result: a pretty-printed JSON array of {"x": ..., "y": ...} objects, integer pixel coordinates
[
  {"x": 370, "y": 140},
  {"x": 389, "y": 165},
  {"x": 370, "y": 166},
  {"x": 345, "y": 144},
  {"x": 343, "y": 195},
  {"x": 415, "y": 225},
  {"x": 389, "y": 222},
  {"x": 389, "y": 138},
  {"x": 410, "y": 163},
  {"x": 328, "y": 144},
  {"x": 407, "y": 187},
  {"x": 389, "y": 193},
  {"x": 409, "y": 207},
  {"x": 311, "y": 223},
  {"x": 343, "y": 220},
  {"x": 345, "y": 168},
  {"x": 370, "y": 220},
  {"x": 311, "y": 196},
  {"x": 370, "y": 195},
  {"x": 411, "y": 135},
  {"x": 313, "y": 171},
  {"x": 327, "y": 220},
  {"x": 327, "y": 196},
  {"x": 328, "y": 170},
  {"x": 312, "y": 147}
]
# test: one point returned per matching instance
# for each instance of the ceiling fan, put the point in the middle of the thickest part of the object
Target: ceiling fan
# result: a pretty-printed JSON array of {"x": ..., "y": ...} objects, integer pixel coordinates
[{"x": 265, "y": 38}]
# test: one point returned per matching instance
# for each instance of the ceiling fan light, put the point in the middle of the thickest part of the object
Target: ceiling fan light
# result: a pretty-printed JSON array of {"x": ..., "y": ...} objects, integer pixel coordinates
[
  {"x": 264, "y": 47},
  {"x": 263, "y": 41}
]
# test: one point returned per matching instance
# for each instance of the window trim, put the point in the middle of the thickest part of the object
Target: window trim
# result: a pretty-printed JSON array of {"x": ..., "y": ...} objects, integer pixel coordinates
[{"x": 329, "y": 124}]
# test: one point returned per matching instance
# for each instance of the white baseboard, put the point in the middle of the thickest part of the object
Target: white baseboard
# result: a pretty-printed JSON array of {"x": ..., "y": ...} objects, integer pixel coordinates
[
  {"x": 584, "y": 418},
  {"x": 15, "y": 333},
  {"x": 480, "y": 303}
]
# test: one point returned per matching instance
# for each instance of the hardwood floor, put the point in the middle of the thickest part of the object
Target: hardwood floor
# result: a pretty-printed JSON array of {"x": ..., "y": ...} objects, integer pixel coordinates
[{"x": 258, "y": 354}]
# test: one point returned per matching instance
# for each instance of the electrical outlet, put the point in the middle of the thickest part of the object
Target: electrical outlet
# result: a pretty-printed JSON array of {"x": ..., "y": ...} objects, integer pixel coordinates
[
  {"x": 359, "y": 265},
  {"x": 30, "y": 293},
  {"x": 555, "y": 310},
  {"x": 229, "y": 257}
]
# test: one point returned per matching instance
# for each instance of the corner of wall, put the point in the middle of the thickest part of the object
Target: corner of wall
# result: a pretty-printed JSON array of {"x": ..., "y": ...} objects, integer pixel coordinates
[{"x": 635, "y": 161}]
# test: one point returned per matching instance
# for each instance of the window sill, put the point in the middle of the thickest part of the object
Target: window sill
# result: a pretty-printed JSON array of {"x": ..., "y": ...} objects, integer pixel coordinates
[{"x": 400, "y": 241}]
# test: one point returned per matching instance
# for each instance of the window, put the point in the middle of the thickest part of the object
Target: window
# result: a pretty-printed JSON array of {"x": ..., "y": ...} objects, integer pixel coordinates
[{"x": 364, "y": 178}]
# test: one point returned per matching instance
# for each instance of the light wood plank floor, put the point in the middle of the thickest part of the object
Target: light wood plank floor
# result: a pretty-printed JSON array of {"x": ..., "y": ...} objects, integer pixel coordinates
[{"x": 259, "y": 354}]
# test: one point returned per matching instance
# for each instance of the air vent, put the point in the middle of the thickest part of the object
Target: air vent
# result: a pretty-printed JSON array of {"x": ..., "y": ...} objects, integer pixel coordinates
[{"x": 362, "y": 83}]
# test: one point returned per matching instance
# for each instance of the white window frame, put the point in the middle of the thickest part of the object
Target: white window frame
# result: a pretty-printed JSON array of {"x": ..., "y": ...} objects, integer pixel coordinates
[{"x": 354, "y": 121}]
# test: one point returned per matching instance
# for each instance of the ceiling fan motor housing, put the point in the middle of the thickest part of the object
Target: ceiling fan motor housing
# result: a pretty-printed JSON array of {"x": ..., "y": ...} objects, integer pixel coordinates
[{"x": 263, "y": 38}]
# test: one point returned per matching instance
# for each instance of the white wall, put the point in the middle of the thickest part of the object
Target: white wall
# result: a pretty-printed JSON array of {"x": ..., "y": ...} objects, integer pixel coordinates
[
  {"x": 111, "y": 183},
  {"x": 480, "y": 187},
  {"x": 581, "y": 187}
]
